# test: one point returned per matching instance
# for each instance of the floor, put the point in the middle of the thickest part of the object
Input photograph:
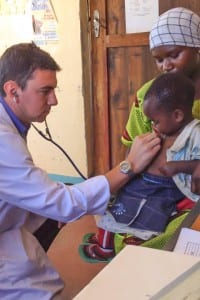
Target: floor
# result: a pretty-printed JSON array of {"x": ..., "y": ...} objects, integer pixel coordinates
[{"x": 63, "y": 253}]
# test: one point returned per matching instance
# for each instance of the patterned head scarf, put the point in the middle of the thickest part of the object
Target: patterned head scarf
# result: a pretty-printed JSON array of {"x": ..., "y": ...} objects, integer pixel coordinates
[{"x": 177, "y": 26}]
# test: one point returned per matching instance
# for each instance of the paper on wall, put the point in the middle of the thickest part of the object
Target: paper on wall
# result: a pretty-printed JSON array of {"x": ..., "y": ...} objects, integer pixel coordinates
[{"x": 140, "y": 15}]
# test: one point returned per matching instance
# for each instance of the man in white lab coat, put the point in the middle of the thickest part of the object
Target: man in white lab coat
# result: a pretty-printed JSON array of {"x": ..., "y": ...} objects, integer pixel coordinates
[{"x": 27, "y": 196}]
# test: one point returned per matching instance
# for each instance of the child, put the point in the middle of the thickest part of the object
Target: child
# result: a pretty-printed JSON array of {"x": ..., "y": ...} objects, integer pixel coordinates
[{"x": 145, "y": 204}]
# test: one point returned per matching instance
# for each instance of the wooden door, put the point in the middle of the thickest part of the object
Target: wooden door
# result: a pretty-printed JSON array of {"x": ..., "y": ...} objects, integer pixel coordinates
[{"x": 120, "y": 63}]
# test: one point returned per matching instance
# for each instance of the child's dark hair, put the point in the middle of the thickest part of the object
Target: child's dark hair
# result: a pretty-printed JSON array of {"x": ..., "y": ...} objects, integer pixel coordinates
[{"x": 172, "y": 91}]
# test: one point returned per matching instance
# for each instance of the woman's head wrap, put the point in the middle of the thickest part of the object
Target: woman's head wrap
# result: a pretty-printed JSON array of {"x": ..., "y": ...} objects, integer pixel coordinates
[{"x": 177, "y": 26}]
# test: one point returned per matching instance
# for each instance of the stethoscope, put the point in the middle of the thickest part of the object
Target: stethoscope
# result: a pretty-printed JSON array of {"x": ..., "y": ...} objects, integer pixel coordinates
[{"x": 47, "y": 136}]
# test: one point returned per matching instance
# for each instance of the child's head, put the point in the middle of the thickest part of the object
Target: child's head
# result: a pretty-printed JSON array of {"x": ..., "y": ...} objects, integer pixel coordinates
[{"x": 169, "y": 101}]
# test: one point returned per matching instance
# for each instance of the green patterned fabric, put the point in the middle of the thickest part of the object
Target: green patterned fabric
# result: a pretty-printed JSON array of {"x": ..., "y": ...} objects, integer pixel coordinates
[
  {"x": 137, "y": 123},
  {"x": 157, "y": 242}
]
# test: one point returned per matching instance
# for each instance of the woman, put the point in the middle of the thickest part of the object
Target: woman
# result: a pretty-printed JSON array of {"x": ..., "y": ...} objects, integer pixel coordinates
[{"x": 174, "y": 44}]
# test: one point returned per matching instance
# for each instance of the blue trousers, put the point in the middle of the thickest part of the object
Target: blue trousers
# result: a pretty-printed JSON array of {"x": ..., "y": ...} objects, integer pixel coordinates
[{"x": 146, "y": 202}]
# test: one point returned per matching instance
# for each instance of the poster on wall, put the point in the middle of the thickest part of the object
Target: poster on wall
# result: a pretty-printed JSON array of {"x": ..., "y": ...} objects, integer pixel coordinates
[
  {"x": 27, "y": 20},
  {"x": 44, "y": 21},
  {"x": 140, "y": 15}
]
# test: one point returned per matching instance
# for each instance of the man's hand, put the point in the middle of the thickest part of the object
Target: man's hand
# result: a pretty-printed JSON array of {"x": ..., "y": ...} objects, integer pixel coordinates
[
  {"x": 141, "y": 153},
  {"x": 143, "y": 150}
]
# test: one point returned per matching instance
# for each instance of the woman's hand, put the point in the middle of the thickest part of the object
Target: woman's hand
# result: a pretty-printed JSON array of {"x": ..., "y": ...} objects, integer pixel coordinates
[{"x": 143, "y": 150}]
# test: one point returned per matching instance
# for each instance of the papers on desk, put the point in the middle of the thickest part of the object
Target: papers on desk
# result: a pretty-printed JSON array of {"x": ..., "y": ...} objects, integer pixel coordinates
[{"x": 188, "y": 242}]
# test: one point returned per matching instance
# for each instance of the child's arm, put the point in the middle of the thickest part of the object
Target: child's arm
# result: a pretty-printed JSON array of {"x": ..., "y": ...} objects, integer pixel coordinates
[
  {"x": 195, "y": 186},
  {"x": 172, "y": 168}
]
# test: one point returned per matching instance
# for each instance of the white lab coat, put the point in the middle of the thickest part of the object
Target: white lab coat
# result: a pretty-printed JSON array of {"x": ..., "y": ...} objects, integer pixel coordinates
[{"x": 27, "y": 198}]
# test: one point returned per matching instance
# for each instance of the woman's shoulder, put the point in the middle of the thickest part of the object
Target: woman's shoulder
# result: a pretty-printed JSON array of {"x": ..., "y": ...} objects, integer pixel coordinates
[
  {"x": 144, "y": 88},
  {"x": 196, "y": 109}
]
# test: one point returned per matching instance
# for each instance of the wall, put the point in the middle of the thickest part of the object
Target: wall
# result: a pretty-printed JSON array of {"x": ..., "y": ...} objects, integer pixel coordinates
[{"x": 66, "y": 121}]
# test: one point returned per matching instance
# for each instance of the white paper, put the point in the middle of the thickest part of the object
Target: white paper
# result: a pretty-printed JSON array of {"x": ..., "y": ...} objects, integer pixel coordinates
[
  {"x": 140, "y": 15},
  {"x": 188, "y": 242}
]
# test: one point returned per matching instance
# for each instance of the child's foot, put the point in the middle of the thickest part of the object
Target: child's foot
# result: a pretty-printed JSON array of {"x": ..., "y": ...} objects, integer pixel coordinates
[{"x": 94, "y": 253}]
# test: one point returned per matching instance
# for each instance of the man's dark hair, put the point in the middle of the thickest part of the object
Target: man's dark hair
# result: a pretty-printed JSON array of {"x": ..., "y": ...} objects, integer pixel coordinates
[
  {"x": 19, "y": 62},
  {"x": 172, "y": 91}
]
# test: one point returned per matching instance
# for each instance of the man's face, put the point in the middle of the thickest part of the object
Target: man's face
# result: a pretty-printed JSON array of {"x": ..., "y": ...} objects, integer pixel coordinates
[{"x": 35, "y": 101}]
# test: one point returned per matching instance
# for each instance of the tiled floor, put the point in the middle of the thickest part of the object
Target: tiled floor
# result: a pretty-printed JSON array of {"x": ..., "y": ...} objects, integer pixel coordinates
[{"x": 64, "y": 255}]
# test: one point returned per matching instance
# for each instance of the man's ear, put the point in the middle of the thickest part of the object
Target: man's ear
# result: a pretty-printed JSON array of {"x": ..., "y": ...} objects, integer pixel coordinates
[
  {"x": 179, "y": 115},
  {"x": 10, "y": 88}
]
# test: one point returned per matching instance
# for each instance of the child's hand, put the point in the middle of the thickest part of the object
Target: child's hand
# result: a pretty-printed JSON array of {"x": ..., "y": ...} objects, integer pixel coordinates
[
  {"x": 172, "y": 168},
  {"x": 169, "y": 169}
]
